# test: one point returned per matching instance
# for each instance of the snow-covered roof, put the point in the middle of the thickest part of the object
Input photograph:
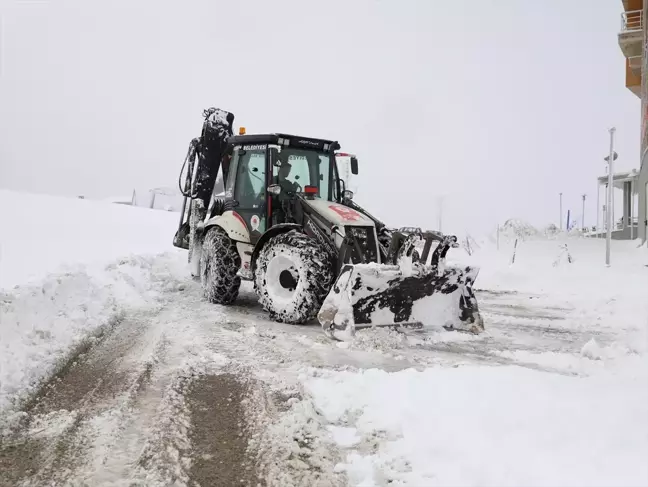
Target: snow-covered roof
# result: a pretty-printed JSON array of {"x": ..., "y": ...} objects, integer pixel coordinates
[{"x": 618, "y": 178}]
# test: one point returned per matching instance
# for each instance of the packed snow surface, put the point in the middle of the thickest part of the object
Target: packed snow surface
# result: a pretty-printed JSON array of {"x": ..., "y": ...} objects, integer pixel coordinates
[
  {"x": 490, "y": 426},
  {"x": 553, "y": 393}
]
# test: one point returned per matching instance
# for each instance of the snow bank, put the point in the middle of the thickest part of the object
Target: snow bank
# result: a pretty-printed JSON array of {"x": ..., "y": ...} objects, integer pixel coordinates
[
  {"x": 499, "y": 426},
  {"x": 40, "y": 325},
  {"x": 68, "y": 271},
  {"x": 42, "y": 234}
]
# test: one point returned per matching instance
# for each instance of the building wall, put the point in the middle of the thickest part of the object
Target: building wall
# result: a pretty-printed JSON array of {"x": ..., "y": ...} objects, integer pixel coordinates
[{"x": 642, "y": 213}]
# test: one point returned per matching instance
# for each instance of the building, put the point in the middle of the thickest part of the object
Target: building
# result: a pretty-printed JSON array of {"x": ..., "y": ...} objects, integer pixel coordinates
[
  {"x": 632, "y": 41},
  {"x": 625, "y": 225}
]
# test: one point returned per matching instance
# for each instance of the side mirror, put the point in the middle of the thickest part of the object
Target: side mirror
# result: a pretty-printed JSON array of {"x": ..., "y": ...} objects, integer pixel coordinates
[
  {"x": 354, "y": 165},
  {"x": 274, "y": 189},
  {"x": 348, "y": 194}
]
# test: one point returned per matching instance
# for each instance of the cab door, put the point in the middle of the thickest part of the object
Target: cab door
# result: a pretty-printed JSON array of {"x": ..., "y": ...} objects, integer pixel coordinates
[{"x": 250, "y": 188}]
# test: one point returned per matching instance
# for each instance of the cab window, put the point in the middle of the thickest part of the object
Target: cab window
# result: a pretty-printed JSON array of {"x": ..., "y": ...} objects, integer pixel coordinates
[
  {"x": 250, "y": 179},
  {"x": 306, "y": 168}
]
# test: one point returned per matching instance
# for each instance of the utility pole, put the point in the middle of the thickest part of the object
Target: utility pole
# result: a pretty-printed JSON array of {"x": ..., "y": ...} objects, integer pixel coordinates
[
  {"x": 561, "y": 227},
  {"x": 598, "y": 209},
  {"x": 610, "y": 160},
  {"x": 583, "y": 214},
  {"x": 605, "y": 208},
  {"x": 441, "y": 214}
]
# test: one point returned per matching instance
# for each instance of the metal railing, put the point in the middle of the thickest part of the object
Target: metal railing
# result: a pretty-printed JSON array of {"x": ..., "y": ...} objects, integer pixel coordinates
[{"x": 632, "y": 21}]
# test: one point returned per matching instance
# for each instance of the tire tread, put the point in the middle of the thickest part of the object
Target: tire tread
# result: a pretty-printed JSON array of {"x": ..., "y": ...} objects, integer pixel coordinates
[
  {"x": 219, "y": 267},
  {"x": 317, "y": 266}
]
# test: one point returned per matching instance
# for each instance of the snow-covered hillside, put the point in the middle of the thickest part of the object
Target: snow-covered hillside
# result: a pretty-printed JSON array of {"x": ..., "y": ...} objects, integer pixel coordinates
[
  {"x": 42, "y": 233},
  {"x": 554, "y": 393}
]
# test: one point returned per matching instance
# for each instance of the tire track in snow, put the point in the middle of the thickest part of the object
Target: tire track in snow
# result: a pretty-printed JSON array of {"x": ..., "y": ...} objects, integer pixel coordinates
[
  {"x": 220, "y": 457},
  {"x": 54, "y": 436},
  {"x": 121, "y": 412}
]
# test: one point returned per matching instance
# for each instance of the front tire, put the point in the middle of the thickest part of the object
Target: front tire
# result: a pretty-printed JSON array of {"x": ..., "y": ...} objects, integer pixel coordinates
[
  {"x": 219, "y": 266},
  {"x": 293, "y": 275}
]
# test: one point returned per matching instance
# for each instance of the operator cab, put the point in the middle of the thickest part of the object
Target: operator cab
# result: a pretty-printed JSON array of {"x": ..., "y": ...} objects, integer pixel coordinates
[{"x": 261, "y": 171}]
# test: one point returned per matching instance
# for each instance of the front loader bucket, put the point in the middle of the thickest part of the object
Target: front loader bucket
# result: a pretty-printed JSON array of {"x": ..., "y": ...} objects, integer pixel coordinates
[{"x": 367, "y": 295}]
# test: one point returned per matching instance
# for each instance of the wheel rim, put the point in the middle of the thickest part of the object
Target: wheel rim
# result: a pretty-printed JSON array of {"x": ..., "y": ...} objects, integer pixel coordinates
[
  {"x": 287, "y": 280},
  {"x": 282, "y": 278}
]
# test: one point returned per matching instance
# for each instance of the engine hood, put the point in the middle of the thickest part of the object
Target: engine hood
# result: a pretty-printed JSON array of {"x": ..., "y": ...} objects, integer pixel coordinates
[{"x": 339, "y": 214}]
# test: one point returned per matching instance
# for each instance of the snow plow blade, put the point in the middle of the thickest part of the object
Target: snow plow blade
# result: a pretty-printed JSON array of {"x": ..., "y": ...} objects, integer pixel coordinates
[{"x": 368, "y": 295}]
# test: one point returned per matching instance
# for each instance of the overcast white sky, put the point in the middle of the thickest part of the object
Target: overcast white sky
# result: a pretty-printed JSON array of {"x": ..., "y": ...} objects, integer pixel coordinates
[{"x": 500, "y": 105}]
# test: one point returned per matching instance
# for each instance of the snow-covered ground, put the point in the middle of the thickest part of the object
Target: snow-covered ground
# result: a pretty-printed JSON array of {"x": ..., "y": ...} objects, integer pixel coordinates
[
  {"x": 581, "y": 418},
  {"x": 65, "y": 274},
  {"x": 555, "y": 392},
  {"x": 43, "y": 234},
  {"x": 499, "y": 426}
]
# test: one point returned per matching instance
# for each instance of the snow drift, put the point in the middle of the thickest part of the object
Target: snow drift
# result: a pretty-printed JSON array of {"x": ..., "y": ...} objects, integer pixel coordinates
[
  {"x": 41, "y": 325},
  {"x": 69, "y": 270},
  {"x": 43, "y": 234}
]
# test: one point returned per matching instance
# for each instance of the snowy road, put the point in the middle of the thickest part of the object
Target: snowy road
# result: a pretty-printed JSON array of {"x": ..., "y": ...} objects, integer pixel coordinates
[
  {"x": 155, "y": 399},
  {"x": 142, "y": 386},
  {"x": 132, "y": 405}
]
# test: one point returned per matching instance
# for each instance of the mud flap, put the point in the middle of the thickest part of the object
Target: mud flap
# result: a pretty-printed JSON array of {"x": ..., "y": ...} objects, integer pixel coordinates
[{"x": 368, "y": 295}]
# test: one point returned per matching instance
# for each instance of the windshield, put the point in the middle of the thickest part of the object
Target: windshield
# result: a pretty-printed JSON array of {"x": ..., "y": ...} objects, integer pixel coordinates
[{"x": 306, "y": 168}]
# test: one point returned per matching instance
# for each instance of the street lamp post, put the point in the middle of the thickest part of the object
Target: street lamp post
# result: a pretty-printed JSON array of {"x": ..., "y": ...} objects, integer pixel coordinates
[
  {"x": 583, "y": 214},
  {"x": 610, "y": 160},
  {"x": 598, "y": 209}
]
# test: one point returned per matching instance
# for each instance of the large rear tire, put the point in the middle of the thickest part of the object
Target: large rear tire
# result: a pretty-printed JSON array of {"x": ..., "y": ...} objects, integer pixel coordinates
[
  {"x": 219, "y": 266},
  {"x": 293, "y": 276}
]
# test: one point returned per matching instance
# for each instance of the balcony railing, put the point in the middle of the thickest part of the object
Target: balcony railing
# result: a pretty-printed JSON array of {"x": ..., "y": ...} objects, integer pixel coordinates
[{"x": 632, "y": 21}]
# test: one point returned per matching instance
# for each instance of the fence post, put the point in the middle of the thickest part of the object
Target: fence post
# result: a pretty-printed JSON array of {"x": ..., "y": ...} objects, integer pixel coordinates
[{"x": 514, "y": 250}]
